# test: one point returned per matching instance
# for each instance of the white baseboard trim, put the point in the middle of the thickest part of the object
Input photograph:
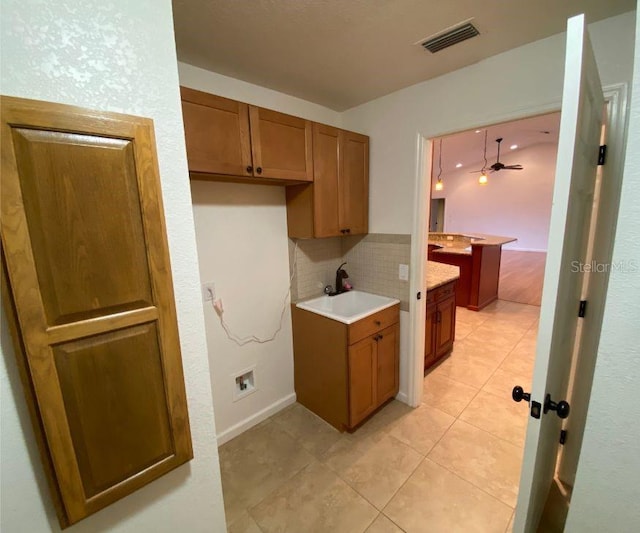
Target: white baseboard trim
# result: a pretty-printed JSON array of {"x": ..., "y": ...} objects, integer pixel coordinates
[
  {"x": 255, "y": 419},
  {"x": 505, "y": 249},
  {"x": 402, "y": 397}
]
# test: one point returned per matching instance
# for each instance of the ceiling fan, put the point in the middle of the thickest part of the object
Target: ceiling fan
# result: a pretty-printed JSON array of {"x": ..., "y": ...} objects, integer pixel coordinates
[{"x": 497, "y": 165}]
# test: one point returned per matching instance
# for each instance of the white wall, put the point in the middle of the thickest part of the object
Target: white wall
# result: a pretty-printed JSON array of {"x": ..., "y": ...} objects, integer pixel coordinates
[
  {"x": 500, "y": 88},
  {"x": 241, "y": 231},
  {"x": 513, "y": 203},
  {"x": 116, "y": 56},
  {"x": 606, "y": 492}
]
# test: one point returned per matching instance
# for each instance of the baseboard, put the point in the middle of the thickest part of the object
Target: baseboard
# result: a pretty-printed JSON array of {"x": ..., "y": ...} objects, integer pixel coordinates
[
  {"x": 255, "y": 419},
  {"x": 402, "y": 397},
  {"x": 505, "y": 249}
]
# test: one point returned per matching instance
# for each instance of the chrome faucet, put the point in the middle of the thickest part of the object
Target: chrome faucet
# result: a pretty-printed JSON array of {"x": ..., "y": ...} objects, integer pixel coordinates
[{"x": 340, "y": 276}]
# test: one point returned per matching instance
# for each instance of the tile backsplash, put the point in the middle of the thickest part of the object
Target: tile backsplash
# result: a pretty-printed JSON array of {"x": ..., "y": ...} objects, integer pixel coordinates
[{"x": 372, "y": 264}]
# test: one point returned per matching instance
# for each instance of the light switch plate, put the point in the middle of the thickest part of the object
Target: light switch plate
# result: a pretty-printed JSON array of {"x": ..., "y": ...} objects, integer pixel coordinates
[{"x": 403, "y": 272}]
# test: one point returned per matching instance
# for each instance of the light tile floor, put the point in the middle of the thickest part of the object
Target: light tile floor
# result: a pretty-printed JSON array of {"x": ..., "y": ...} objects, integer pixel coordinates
[{"x": 452, "y": 464}]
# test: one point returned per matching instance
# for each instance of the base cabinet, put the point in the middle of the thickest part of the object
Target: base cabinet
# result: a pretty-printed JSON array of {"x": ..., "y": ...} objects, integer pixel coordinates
[
  {"x": 343, "y": 373},
  {"x": 440, "y": 324}
]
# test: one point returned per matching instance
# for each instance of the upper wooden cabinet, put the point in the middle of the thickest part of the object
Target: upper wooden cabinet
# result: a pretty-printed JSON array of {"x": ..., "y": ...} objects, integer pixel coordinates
[
  {"x": 337, "y": 203},
  {"x": 88, "y": 292},
  {"x": 230, "y": 139}
]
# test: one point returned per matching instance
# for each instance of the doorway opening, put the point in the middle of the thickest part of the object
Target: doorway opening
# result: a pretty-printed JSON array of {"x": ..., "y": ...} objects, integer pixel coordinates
[{"x": 436, "y": 215}]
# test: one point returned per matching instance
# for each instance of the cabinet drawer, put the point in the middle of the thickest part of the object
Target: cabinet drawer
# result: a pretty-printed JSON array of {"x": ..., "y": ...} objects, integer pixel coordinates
[
  {"x": 373, "y": 323},
  {"x": 443, "y": 292}
]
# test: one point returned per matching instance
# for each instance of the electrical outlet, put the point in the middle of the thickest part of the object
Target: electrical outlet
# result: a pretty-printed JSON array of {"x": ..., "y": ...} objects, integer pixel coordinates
[
  {"x": 208, "y": 291},
  {"x": 403, "y": 272}
]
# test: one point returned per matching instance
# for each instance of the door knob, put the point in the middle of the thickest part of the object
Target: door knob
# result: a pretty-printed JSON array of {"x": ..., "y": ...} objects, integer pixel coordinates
[
  {"x": 561, "y": 408},
  {"x": 518, "y": 394}
]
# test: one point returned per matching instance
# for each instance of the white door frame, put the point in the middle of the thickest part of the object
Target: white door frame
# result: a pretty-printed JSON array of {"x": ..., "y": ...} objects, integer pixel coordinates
[{"x": 616, "y": 95}]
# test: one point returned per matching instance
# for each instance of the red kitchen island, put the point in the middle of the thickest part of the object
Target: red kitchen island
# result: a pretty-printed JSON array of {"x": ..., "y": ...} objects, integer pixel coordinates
[{"x": 478, "y": 257}]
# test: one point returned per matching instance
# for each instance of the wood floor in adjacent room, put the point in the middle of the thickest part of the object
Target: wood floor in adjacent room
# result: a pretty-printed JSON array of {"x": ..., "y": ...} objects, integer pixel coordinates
[{"x": 521, "y": 276}]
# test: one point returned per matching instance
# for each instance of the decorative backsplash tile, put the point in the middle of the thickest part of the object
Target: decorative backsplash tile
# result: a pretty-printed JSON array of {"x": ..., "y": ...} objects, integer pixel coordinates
[{"x": 372, "y": 264}]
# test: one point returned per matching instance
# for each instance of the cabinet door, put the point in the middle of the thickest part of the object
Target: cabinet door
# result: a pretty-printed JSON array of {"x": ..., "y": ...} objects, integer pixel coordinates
[
  {"x": 281, "y": 145},
  {"x": 362, "y": 380},
  {"x": 354, "y": 183},
  {"x": 446, "y": 325},
  {"x": 217, "y": 134},
  {"x": 326, "y": 168},
  {"x": 429, "y": 336},
  {"x": 89, "y": 285},
  {"x": 388, "y": 363}
]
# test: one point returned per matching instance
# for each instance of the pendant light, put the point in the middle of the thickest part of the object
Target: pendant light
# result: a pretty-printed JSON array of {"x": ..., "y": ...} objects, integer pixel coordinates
[
  {"x": 483, "y": 179},
  {"x": 439, "y": 184}
]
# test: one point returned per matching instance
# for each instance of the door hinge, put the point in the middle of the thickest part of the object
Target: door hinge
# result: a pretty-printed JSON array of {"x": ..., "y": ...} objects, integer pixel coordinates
[
  {"x": 602, "y": 155},
  {"x": 582, "y": 310},
  {"x": 563, "y": 436}
]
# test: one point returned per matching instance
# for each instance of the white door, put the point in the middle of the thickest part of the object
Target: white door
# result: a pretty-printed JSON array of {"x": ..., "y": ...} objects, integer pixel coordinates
[{"x": 580, "y": 126}]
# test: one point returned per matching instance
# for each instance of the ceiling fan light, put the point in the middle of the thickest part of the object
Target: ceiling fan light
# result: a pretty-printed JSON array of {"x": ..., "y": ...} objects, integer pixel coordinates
[
  {"x": 458, "y": 165},
  {"x": 483, "y": 179},
  {"x": 513, "y": 146},
  {"x": 439, "y": 185}
]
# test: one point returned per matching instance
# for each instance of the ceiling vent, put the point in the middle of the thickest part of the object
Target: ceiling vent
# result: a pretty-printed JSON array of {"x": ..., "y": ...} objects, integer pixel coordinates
[{"x": 450, "y": 37}]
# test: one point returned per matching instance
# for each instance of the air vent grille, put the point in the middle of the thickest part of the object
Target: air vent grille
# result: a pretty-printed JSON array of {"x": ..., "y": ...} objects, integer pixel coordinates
[{"x": 451, "y": 37}]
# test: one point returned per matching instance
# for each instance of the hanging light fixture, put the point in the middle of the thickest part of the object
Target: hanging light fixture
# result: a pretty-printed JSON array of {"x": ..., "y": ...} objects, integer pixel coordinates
[
  {"x": 439, "y": 184},
  {"x": 483, "y": 179}
]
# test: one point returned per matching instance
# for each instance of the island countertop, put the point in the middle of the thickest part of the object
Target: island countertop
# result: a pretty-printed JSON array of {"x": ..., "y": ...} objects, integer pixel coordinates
[
  {"x": 439, "y": 274},
  {"x": 461, "y": 243}
]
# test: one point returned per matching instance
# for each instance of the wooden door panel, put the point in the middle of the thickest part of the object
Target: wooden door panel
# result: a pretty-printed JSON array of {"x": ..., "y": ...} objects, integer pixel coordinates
[
  {"x": 326, "y": 168},
  {"x": 354, "y": 183},
  {"x": 281, "y": 145},
  {"x": 72, "y": 231},
  {"x": 91, "y": 300},
  {"x": 216, "y": 133},
  {"x": 446, "y": 325},
  {"x": 362, "y": 380},
  {"x": 387, "y": 362},
  {"x": 429, "y": 339},
  {"x": 113, "y": 390}
]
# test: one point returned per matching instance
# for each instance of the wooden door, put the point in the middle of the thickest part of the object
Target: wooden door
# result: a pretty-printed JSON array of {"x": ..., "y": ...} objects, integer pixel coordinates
[
  {"x": 90, "y": 287},
  {"x": 362, "y": 380},
  {"x": 216, "y": 131},
  {"x": 281, "y": 145},
  {"x": 580, "y": 127},
  {"x": 387, "y": 363},
  {"x": 354, "y": 183},
  {"x": 429, "y": 336},
  {"x": 326, "y": 168},
  {"x": 446, "y": 316}
]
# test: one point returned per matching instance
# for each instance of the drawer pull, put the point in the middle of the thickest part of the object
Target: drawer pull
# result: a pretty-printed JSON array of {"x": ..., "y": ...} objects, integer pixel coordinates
[
  {"x": 377, "y": 322},
  {"x": 378, "y": 337}
]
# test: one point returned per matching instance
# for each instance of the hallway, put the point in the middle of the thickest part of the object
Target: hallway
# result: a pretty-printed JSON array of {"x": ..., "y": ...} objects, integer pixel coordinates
[{"x": 450, "y": 465}]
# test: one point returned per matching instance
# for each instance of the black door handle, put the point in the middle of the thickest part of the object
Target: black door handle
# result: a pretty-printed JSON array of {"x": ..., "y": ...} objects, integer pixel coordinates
[
  {"x": 259, "y": 170},
  {"x": 518, "y": 394},
  {"x": 561, "y": 408},
  {"x": 249, "y": 169}
]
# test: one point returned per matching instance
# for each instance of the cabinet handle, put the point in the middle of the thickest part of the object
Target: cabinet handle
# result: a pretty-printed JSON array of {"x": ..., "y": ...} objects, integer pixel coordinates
[
  {"x": 377, "y": 338},
  {"x": 377, "y": 322},
  {"x": 380, "y": 337},
  {"x": 249, "y": 169},
  {"x": 259, "y": 170},
  {"x": 348, "y": 230}
]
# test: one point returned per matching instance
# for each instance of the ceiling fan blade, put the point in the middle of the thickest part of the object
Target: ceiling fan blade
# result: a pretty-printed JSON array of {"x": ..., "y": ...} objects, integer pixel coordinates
[
  {"x": 513, "y": 167},
  {"x": 475, "y": 171}
]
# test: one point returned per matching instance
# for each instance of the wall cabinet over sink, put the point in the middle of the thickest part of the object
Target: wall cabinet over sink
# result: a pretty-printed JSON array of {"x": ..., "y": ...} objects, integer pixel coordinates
[
  {"x": 237, "y": 141},
  {"x": 337, "y": 203}
]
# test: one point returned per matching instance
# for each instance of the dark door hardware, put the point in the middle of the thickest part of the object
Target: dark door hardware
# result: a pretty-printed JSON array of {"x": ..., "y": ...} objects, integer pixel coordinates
[
  {"x": 378, "y": 337},
  {"x": 602, "y": 155},
  {"x": 249, "y": 169},
  {"x": 563, "y": 436},
  {"x": 259, "y": 170},
  {"x": 561, "y": 408},
  {"x": 582, "y": 310},
  {"x": 419, "y": 295},
  {"x": 518, "y": 394},
  {"x": 535, "y": 409}
]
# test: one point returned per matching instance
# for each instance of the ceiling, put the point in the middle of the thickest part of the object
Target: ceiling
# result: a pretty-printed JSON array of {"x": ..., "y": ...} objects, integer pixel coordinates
[
  {"x": 467, "y": 147},
  {"x": 342, "y": 53}
]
